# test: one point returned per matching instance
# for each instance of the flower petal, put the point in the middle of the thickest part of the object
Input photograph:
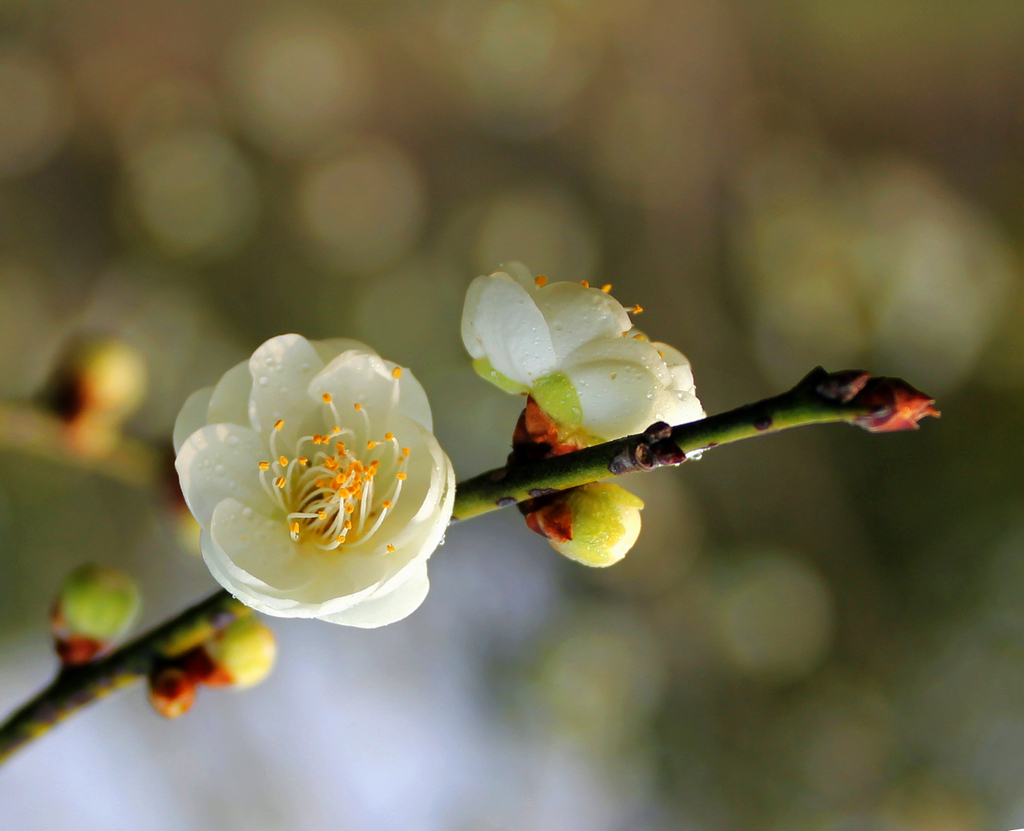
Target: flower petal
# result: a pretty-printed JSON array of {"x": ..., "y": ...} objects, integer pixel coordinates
[
  {"x": 230, "y": 401},
  {"x": 257, "y": 556},
  {"x": 192, "y": 416},
  {"x": 221, "y": 461},
  {"x": 619, "y": 398},
  {"x": 501, "y": 322},
  {"x": 364, "y": 378},
  {"x": 331, "y": 348},
  {"x": 281, "y": 371},
  {"x": 381, "y": 609},
  {"x": 576, "y": 315},
  {"x": 626, "y": 350},
  {"x": 679, "y": 367}
]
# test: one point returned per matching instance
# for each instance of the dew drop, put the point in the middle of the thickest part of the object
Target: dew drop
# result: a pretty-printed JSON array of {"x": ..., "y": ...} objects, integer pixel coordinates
[
  {"x": 650, "y": 396},
  {"x": 231, "y": 441},
  {"x": 247, "y": 513},
  {"x": 264, "y": 380},
  {"x": 304, "y": 368},
  {"x": 220, "y": 470},
  {"x": 270, "y": 361}
]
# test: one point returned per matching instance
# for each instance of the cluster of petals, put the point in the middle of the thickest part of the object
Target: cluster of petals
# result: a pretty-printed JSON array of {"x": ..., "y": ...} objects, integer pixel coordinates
[
  {"x": 574, "y": 350},
  {"x": 319, "y": 486}
]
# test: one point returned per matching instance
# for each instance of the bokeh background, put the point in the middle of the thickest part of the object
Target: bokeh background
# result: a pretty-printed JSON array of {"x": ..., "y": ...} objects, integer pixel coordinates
[{"x": 820, "y": 631}]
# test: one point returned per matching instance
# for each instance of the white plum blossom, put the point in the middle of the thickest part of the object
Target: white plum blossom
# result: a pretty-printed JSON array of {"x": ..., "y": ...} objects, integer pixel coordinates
[
  {"x": 319, "y": 486},
  {"x": 573, "y": 348}
]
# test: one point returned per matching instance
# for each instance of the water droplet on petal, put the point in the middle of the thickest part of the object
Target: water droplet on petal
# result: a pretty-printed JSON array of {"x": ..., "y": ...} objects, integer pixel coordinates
[
  {"x": 270, "y": 361},
  {"x": 231, "y": 441},
  {"x": 264, "y": 380},
  {"x": 220, "y": 470},
  {"x": 247, "y": 513},
  {"x": 304, "y": 368}
]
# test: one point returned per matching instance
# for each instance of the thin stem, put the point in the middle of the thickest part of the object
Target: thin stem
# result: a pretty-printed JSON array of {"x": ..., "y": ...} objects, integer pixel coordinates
[
  {"x": 24, "y": 429},
  {"x": 804, "y": 404},
  {"x": 876, "y": 404}
]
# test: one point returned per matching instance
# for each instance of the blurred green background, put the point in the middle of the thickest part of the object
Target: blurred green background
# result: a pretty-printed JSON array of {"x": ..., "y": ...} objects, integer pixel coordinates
[{"x": 821, "y": 631}]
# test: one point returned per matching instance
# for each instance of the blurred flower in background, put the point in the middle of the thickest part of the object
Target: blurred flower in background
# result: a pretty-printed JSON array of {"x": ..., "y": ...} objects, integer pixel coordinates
[{"x": 812, "y": 633}]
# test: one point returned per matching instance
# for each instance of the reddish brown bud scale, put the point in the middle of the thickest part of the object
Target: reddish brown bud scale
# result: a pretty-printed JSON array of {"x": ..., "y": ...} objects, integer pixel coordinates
[
  {"x": 75, "y": 650},
  {"x": 894, "y": 405},
  {"x": 171, "y": 691},
  {"x": 552, "y": 521}
]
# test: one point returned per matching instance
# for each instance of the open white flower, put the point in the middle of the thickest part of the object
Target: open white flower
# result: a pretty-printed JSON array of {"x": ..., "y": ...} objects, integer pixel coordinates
[
  {"x": 571, "y": 347},
  {"x": 319, "y": 486}
]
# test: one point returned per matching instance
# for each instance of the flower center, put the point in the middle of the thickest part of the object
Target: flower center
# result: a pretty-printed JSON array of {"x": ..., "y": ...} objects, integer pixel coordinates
[{"x": 342, "y": 492}]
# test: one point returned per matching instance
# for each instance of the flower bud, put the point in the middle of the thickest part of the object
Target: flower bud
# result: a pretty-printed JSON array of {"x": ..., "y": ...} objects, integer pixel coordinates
[
  {"x": 96, "y": 606},
  {"x": 242, "y": 653},
  {"x": 102, "y": 378},
  {"x": 594, "y": 524},
  {"x": 171, "y": 691}
]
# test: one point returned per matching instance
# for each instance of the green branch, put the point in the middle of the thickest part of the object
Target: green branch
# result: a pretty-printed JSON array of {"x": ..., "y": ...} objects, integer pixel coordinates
[
  {"x": 877, "y": 404},
  {"x": 77, "y": 686}
]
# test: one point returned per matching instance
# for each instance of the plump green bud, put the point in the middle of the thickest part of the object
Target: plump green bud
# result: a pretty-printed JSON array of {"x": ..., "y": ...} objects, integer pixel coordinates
[
  {"x": 244, "y": 651},
  {"x": 96, "y": 602},
  {"x": 593, "y": 524}
]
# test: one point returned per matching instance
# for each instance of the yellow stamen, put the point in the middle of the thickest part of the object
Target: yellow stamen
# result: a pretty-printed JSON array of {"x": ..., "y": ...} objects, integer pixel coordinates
[
  {"x": 639, "y": 336},
  {"x": 281, "y": 460},
  {"x": 386, "y": 504},
  {"x": 390, "y": 548},
  {"x": 358, "y": 406},
  {"x": 607, "y": 287},
  {"x": 349, "y": 509},
  {"x": 321, "y": 514},
  {"x": 279, "y": 481},
  {"x": 375, "y": 464},
  {"x": 396, "y": 372},
  {"x": 264, "y": 465},
  {"x": 585, "y": 284},
  {"x": 370, "y": 445},
  {"x": 636, "y": 309},
  {"x": 540, "y": 280},
  {"x": 302, "y": 460},
  {"x": 327, "y": 398},
  {"x": 334, "y": 432},
  {"x": 347, "y": 525},
  {"x": 295, "y": 528},
  {"x": 405, "y": 452},
  {"x": 401, "y": 476},
  {"x": 389, "y": 436},
  {"x": 279, "y": 424},
  {"x": 340, "y": 447}
]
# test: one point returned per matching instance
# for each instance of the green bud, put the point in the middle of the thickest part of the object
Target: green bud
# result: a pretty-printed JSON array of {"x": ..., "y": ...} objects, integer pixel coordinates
[
  {"x": 245, "y": 650},
  {"x": 557, "y": 397},
  {"x": 604, "y": 521},
  {"x": 96, "y": 602},
  {"x": 489, "y": 373}
]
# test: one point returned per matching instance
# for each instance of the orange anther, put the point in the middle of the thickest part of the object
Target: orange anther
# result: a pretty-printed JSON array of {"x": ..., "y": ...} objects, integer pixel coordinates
[
  {"x": 264, "y": 465},
  {"x": 396, "y": 372},
  {"x": 279, "y": 424},
  {"x": 540, "y": 280},
  {"x": 327, "y": 398}
]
